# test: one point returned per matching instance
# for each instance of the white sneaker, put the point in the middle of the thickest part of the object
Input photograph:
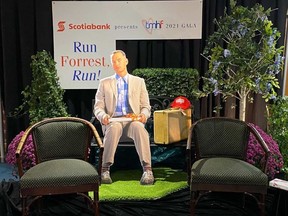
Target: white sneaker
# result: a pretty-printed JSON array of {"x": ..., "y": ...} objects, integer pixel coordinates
[
  {"x": 147, "y": 178},
  {"x": 105, "y": 178}
]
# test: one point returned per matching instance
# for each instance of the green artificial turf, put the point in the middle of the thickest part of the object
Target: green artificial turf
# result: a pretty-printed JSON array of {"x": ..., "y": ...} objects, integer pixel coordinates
[{"x": 126, "y": 185}]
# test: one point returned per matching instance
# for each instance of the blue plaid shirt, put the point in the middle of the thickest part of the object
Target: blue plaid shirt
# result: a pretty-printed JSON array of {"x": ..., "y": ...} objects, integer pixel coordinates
[{"x": 122, "y": 106}]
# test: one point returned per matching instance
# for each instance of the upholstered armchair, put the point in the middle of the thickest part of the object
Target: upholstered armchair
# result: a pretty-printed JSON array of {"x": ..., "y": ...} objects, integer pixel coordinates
[
  {"x": 62, "y": 151},
  {"x": 219, "y": 165}
]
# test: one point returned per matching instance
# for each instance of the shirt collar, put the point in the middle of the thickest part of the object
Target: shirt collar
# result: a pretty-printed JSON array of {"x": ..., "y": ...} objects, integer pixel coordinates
[{"x": 125, "y": 78}]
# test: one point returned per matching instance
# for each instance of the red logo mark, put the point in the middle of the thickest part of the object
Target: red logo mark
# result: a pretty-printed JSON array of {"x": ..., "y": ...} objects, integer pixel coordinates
[{"x": 61, "y": 26}]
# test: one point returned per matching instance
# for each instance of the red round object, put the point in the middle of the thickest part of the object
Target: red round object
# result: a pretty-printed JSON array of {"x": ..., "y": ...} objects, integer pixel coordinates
[{"x": 181, "y": 102}]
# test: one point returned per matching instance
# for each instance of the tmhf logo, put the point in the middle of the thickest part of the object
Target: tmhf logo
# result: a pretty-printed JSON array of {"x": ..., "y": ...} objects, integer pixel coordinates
[{"x": 150, "y": 24}]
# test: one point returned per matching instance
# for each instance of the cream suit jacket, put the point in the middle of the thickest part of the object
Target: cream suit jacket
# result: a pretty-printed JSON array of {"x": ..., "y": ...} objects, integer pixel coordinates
[{"x": 106, "y": 97}]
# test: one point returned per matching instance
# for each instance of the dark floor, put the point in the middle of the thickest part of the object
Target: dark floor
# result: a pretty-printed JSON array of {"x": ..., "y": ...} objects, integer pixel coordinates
[{"x": 176, "y": 204}]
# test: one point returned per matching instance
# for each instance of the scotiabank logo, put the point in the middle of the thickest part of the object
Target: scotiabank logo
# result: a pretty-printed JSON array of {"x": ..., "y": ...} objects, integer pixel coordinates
[
  {"x": 88, "y": 26},
  {"x": 61, "y": 26},
  {"x": 82, "y": 26}
]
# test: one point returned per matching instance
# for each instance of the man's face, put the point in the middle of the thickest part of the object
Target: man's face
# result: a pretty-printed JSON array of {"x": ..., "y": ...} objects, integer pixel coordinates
[{"x": 119, "y": 63}]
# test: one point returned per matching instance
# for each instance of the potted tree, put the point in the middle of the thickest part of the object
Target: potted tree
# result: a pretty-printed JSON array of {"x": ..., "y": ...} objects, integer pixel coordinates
[
  {"x": 42, "y": 99},
  {"x": 243, "y": 57}
]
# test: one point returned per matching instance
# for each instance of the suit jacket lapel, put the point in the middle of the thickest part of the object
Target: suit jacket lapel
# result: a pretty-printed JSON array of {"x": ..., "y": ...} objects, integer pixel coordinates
[
  {"x": 130, "y": 87},
  {"x": 113, "y": 86}
]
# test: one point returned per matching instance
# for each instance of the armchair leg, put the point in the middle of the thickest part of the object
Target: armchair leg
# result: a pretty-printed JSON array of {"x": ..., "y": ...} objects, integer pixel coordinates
[
  {"x": 24, "y": 207},
  {"x": 243, "y": 200},
  {"x": 192, "y": 204},
  {"x": 96, "y": 203},
  {"x": 97, "y": 213},
  {"x": 261, "y": 205}
]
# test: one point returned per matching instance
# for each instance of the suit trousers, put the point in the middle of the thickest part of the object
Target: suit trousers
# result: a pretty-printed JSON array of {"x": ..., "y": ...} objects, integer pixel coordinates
[{"x": 134, "y": 130}]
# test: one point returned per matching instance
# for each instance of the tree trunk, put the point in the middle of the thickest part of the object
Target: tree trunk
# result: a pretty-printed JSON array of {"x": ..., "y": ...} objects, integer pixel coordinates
[
  {"x": 242, "y": 108},
  {"x": 242, "y": 111}
]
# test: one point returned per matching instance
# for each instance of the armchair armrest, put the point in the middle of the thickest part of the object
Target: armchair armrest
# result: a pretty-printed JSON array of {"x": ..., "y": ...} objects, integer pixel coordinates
[
  {"x": 19, "y": 150},
  {"x": 263, "y": 145},
  {"x": 189, "y": 154},
  {"x": 99, "y": 143}
]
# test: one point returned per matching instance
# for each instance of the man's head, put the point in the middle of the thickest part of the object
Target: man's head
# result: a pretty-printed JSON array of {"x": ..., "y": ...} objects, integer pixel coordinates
[{"x": 119, "y": 62}]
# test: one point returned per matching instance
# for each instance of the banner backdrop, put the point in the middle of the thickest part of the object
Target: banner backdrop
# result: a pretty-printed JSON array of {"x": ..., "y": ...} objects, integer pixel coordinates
[{"x": 85, "y": 33}]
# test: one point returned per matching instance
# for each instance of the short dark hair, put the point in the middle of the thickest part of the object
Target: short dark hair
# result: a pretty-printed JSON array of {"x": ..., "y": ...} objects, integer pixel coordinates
[{"x": 118, "y": 51}]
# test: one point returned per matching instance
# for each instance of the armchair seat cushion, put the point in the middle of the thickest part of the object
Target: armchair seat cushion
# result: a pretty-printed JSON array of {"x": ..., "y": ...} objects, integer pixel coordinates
[
  {"x": 226, "y": 171},
  {"x": 58, "y": 173}
]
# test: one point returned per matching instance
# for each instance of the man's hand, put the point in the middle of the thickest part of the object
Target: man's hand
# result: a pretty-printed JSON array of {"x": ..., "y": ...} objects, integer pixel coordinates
[
  {"x": 105, "y": 120},
  {"x": 142, "y": 118}
]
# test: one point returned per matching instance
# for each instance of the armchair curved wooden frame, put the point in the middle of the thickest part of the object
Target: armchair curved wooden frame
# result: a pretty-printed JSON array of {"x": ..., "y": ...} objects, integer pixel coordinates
[
  {"x": 62, "y": 151},
  {"x": 219, "y": 161}
]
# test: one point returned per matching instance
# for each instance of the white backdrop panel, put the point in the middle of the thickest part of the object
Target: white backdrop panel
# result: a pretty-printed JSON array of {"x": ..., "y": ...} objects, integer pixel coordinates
[{"x": 85, "y": 33}]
